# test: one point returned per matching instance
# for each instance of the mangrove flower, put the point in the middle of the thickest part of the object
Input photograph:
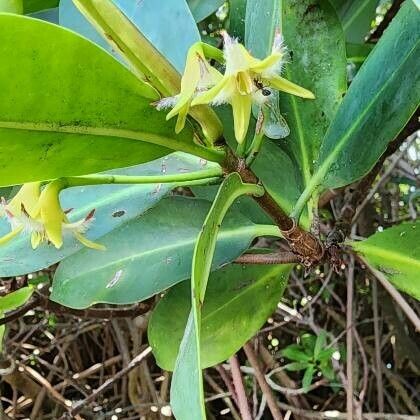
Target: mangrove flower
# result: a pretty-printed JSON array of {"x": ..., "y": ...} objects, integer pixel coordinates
[
  {"x": 198, "y": 76},
  {"x": 39, "y": 214},
  {"x": 246, "y": 80}
]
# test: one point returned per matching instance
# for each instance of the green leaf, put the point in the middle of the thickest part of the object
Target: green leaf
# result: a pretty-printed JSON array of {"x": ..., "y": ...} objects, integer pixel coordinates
[
  {"x": 11, "y": 6},
  {"x": 320, "y": 343},
  {"x": 357, "y": 53},
  {"x": 15, "y": 299},
  {"x": 33, "y": 6},
  {"x": 294, "y": 352},
  {"x": 327, "y": 371},
  {"x": 132, "y": 30},
  {"x": 381, "y": 99},
  {"x": 239, "y": 299},
  {"x": 280, "y": 175},
  {"x": 236, "y": 19},
  {"x": 147, "y": 255},
  {"x": 296, "y": 366},
  {"x": 315, "y": 40},
  {"x": 356, "y": 17},
  {"x": 189, "y": 402},
  {"x": 56, "y": 121},
  {"x": 114, "y": 205},
  {"x": 396, "y": 253},
  {"x": 203, "y": 8},
  {"x": 316, "y": 45},
  {"x": 307, "y": 377}
]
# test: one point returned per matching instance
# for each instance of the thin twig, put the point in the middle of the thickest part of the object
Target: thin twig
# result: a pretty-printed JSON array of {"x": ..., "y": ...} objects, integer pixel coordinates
[
  {"x": 265, "y": 388},
  {"x": 378, "y": 360},
  {"x": 349, "y": 339},
  {"x": 77, "y": 408},
  {"x": 239, "y": 389}
]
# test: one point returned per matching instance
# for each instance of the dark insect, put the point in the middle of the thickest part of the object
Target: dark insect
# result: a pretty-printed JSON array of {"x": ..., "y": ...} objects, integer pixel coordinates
[{"x": 260, "y": 86}]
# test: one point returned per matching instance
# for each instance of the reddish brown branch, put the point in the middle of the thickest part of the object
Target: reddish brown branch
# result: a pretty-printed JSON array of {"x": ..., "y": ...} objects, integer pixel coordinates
[
  {"x": 273, "y": 258},
  {"x": 303, "y": 243},
  {"x": 265, "y": 388}
]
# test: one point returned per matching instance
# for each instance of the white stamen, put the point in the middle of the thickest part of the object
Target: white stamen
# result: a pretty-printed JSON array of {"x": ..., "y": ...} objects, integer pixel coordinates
[{"x": 166, "y": 103}]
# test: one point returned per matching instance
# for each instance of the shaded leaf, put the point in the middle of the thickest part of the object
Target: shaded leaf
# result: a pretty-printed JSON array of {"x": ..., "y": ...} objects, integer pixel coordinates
[
  {"x": 32, "y": 6},
  {"x": 239, "y": 299},
  {"x": 187, "y": 403},
  {"x": 381, "y": 99},
  {"x": 146, "y": 255},
  {"x": 356, "y": 17},
  {"x": 203, "y": 8},
  {"x": 114, "y": 205}
]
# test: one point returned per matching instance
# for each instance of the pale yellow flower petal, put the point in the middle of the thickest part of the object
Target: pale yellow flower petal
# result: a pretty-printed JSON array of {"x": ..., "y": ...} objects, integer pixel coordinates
[
  {"x": 190, "y": 79},
  {"x": 267, "y": 63},
  {"x": 211, "y": 94},
  {"x": 51, "y": 213},
  {"x": 36, "y": 238},
  {"x": 241, "y": 107},
  {"x": 9, "y": 236},
  {"x": 284, "y": 85},
  {"x": 28, "y": 197},
  {"x": 88, "y": 243}
]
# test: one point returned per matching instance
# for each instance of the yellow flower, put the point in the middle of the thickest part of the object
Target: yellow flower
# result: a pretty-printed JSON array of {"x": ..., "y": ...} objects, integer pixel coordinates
[
  {"x": 39, "y": 213},
  {"x": 247, "y": 80},
  {"x": 198, "y": 76}
]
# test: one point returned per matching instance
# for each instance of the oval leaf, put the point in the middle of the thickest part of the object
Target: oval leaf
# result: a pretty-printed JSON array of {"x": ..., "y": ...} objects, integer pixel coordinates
[
  {"x": 239, "y": 299},
  {"x": 114, "y": 205},
  {"x": 147, "y": 255},
  {"x": 381, "y": 99},
  {"x": 61, "y": 111},
  {"x": 396, "y": 253}
]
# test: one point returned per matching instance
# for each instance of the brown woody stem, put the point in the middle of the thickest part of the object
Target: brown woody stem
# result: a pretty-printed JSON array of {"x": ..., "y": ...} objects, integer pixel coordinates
[{"x": 303, "y": 243}]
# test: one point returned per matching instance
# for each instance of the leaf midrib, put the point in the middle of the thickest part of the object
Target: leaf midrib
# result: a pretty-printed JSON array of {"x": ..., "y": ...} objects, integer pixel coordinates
[
  {"x": 323, "y": 169},
  {"x": 225, "y": 234}
]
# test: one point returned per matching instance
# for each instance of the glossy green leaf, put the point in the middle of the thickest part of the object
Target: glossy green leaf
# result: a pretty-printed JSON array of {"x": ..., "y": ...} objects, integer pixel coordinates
[
  {"x": 11, "y": 6},
  {"x": 114, "y": 205},
  {"x": 381, "y": 99},
  {"x": 203, "y": 8},
  {"x": 15, "y": 299},
  {"x": 149, "y": 50},
  {"x": 239, "y": 299},
  {"x": 356, "y": 17},
  {"x": 315, "y": 41},
  {"x": 147, "y": 255},
  {"x": 32, "y": 6},
  {"x": 59, "y": 121},
  {"x": 395, "y": 252},
  {"x": 189, "y": 402},
  {"x": 261, "y": 22}
]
